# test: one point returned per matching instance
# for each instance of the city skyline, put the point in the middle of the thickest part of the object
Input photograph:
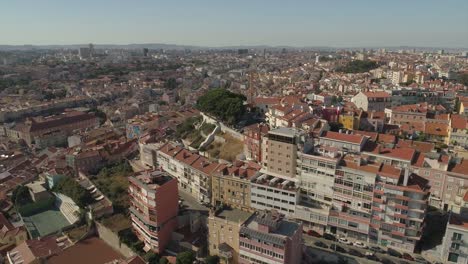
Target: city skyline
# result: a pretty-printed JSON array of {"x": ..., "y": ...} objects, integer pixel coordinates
[{"x": 215, "y": 24}]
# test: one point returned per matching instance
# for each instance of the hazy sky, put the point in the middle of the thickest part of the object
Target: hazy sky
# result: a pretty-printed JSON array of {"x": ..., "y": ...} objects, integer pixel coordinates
[{"x": 237, "y": 22}]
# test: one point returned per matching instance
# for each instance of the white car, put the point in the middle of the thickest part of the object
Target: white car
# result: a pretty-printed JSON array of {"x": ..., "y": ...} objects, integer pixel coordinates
[
  {"x": 360, "y": 244},
  {"x": 344, "y": 241}
]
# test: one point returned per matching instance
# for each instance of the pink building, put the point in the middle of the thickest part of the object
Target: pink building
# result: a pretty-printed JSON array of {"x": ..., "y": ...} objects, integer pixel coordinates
[
  {"x": 154, "y": 208},
  {"x": 268, "y": 238},
  {"x": 253, "y": 141}
]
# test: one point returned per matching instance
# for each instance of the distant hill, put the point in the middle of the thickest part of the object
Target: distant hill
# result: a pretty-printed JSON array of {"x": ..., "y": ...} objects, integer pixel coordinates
[{"x": 156, "y": 46}]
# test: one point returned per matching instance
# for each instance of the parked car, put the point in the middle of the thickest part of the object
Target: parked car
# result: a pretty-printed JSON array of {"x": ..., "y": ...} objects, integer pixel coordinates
[
  {"x": 373, "y": 257},
  {"x": 359, "y": 244},
  {"x": 394, "y": 253},
  {"x": 408, "y": 257},
  {"x": 386, "y": 261},
  {"x": 337, "y": 248},
  {"x": 313, "y": 233},
  {"x": 328, "y": 236},
  {"x": 355, "y": 253},
  {"x": 344, "y": 241},
  {"x": 377, "y": 249},
  {"x": 320, "y": 244}
]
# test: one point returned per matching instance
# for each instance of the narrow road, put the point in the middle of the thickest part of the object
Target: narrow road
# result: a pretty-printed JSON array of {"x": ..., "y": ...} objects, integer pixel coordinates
[{"x": 310, "y": 240}]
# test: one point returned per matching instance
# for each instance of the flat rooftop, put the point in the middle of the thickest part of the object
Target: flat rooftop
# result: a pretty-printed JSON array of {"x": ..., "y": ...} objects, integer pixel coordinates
[
  {"x": 153, "y": 179},
  {"x": 234, "y": 215},
  {"x": 284, "y": 131},
  {"x": 36, "y": 187}
]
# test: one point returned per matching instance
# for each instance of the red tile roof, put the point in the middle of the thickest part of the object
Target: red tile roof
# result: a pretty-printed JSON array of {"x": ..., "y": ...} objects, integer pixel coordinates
[
  {"x": 356, "y": 139},
  {"x": 418, "y": 145},
  {"x": 372, "y": 135},
  {"x": 376, "y": 94},
  {"x": 437, "y": 129},
  {"x": 461, "y": 168},
  {"x": 267, "y": 100},
  {"x": 91, "y": 251},
  {"x": 170, "y": 149},
  {"x": 390, "y": 171},
  {"x": 459, "y": 122}
]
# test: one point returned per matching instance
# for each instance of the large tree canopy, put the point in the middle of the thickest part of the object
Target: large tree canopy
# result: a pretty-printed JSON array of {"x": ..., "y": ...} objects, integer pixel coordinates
[
  {"x": 223, "y": 104},
  {"x": 72, "y": 189},
  {"x": 358, "y": 66}
]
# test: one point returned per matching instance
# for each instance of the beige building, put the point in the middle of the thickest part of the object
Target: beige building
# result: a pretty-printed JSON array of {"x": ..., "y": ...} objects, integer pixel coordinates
[
  {"x": 280, "y": 152},
  {"x": 223, "y": 229},
  {"x": 10, "y": 235},
  {"x": 231, "y": 185},
  {"x": 372, "y": 101}
]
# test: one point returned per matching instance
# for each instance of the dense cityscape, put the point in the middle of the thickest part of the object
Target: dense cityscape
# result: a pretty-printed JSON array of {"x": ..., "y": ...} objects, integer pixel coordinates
[
  {"x": 233, "y": 132},
  {"x": 252, "y": 155}
]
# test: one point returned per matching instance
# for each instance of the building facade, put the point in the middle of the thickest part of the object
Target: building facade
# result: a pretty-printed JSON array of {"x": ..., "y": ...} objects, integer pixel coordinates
[
  {"x": 268, "y": 238},
  {"x": 154, "y": 208}
]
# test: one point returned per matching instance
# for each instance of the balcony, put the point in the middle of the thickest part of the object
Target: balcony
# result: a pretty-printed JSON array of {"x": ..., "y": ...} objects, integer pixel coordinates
[
  {"x": 457, "y": 240},
  {"x": 457, "y": 251},
  {"x": 225, "y": 251}
]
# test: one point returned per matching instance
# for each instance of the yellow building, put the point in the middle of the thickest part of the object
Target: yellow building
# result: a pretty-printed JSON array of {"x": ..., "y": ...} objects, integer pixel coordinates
[
  {"x": 463, "y": 106},
  {"x": 349, "y": 120},
  {"x": 9, "y": 235},
  {"x": 223, "y": 228}
]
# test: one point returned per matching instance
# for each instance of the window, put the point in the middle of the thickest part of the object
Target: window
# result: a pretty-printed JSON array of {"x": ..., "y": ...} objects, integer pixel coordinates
[
  {"x": 455, "y": 246},
  {"x": 453, "y": 257},
  {"x": 457, "y": 236}
]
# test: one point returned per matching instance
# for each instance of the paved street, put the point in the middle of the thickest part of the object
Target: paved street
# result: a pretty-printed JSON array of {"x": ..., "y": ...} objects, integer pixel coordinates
[
  {"x": 191, "y": 202},
  {"x": 309, "y": 241}
]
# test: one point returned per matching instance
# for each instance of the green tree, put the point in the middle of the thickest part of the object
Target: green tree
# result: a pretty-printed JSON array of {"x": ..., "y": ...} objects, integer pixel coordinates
[
  {"x": 163, "y": 261},
  {"x": 358, "y": 66},
  {"x": 342, "y": 260},
  {"x": 20, "y": 196},
  {"x": 463, "y": 79},
  {"x": 212, "y": 260},
  {"x": 75, "y": 191},
  {"x": 152, "y": 258},
  {"x": 222, "y": 104},
  {"x": 171, "y": 83},
  {"x": 335, "y": 126},
  {"x": 187, "y": 257}
]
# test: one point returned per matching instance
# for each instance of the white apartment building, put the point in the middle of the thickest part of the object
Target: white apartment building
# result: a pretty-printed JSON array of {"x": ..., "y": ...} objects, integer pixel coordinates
[
  {"x": 455, "y": 242},
  {"x": 269, "y": 192}
]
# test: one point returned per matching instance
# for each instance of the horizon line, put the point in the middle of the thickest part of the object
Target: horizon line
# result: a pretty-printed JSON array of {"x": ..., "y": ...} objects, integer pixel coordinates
[{"x": 241, "y": 45}]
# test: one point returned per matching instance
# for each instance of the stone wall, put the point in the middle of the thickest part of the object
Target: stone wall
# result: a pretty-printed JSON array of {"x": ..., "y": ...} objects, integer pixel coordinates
[{"x": 112, "y": 239}]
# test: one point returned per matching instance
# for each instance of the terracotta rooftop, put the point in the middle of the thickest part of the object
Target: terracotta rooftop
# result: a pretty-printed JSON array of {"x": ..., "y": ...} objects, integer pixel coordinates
[
  {"x": 91, "y": 251},
  {"x": 376, "y": 94},
  {"x": 267, "y": 100},
  {"x": 372, "y": 135},
  {"x": 419, "y": 108},
  {"x": 437, "y": 129},
  {"x": 170, "y": 149},
  {"x": 459, "y": 122},
  {"x": 461, "y": 168},
  {"x": 404, "y": 153},
  {"x": 390, "y": 171},
  {"x": 418, "y": 145},
  {"x": 386, "y": 138},
  {"x": 356, "y": 139}
]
